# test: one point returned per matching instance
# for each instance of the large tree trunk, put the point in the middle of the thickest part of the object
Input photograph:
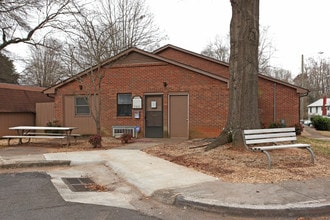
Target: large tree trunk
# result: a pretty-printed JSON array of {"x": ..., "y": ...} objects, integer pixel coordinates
[{"x": 243, "y": 68}]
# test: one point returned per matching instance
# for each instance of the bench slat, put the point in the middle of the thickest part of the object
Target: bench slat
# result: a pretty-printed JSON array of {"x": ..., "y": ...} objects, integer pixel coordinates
[
  {"x": 54, "y": 134},
  {"x": 272, "y": 135},
  {"x": 275, "y": 147},
  {"x": 268, "y": 130},
  {"x": 27, "y": 137},
  {"x": 270, "y": 140}
]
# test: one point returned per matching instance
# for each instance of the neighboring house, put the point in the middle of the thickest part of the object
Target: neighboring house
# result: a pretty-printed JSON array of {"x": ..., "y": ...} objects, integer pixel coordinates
[
  {"x": 18, "y": 105},
  {"x": 316, "y": 108},
  {"x": 169, "y": 93}
]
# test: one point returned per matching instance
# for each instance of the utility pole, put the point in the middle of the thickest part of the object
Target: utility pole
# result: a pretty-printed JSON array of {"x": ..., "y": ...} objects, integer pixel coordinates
[{"x": 302, "y": 85}]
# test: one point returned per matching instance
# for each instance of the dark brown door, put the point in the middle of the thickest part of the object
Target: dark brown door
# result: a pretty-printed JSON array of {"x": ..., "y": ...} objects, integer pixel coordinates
[
  {"x": 179, "y": 116},
  {"x": 154, "y": 116}
]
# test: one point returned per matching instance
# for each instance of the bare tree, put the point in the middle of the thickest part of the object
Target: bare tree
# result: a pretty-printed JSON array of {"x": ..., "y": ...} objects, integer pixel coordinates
[
  {"x": 21, "y": 20},
  {"x": 44, "y": 67},
  {"x": 281, "y": 74},
  {"x": 243, "y": 69},
  {"x": 88, "y": 48},
  {"x": 317, "y": 74},
  {"x": 265, "y": 52},
  {"x": 96, "y": 35},
  {"x": 219, "y": 49},
  {"x": 130, "y": 24}
]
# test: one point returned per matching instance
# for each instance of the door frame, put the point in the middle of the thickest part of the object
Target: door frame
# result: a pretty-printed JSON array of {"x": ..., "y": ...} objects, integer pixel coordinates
[{"x": 145, "y": 111}]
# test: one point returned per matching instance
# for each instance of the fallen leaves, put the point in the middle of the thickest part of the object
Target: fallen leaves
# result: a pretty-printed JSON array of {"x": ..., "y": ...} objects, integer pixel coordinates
[
  {"x": 96, "y": 187},
  {"x": 242, "y": 166}
]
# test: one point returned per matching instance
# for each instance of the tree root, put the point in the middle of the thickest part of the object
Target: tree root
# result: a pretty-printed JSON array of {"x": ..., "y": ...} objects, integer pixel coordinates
[{"x": 223, "y": 139}]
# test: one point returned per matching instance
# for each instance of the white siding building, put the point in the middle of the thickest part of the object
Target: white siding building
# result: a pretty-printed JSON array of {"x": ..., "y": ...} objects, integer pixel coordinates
[{"x": 316, "y": 108}]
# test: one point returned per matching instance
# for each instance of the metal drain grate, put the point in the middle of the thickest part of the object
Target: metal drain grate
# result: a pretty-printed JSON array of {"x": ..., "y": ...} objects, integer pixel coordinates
[{"x": 79, "y": 184}]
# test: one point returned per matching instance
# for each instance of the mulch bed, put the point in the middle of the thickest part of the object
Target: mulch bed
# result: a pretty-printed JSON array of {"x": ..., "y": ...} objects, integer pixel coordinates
[
  {"x": 240, "y": 165},
  {"x": 227, "y": 163}
]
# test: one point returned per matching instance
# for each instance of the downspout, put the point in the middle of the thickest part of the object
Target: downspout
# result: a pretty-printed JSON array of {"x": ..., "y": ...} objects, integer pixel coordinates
[{"x": 274, "y": 103}]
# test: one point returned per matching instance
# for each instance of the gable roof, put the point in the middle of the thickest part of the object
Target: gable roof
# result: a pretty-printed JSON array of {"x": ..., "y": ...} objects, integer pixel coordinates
[
  {"x": 300, "y": 90},
  {"x": 170, "y": 46},
  {"x": 319, "y": 103},
  {"x": 17, "y": 98},
  {"x": 20, "y": 87},
  {"x": 114, "y": 59},
  {"x": 158, "y": 58}
]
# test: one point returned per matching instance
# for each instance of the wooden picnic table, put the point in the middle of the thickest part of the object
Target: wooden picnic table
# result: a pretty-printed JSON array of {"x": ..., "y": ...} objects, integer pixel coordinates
[{"x": 30, "y": 132}]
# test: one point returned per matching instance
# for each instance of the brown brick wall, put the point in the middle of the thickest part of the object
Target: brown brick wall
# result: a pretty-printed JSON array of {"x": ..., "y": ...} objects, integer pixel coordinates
[
  {"x": 195, "y": 61},
  {"x": 287, "y": 100},
  {"x": 208, "y": 98},
  {"x": 277, "y": 102}
]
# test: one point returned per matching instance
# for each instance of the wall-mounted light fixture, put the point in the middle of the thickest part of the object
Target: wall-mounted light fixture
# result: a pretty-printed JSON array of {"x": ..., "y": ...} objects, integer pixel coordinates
[
  {"x": 80, "y": 87},
  {"x": 165, "y": 84}
]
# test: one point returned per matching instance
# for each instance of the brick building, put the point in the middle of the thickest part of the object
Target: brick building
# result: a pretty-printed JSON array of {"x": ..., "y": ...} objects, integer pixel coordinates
[{"x": 171, "y": 92}]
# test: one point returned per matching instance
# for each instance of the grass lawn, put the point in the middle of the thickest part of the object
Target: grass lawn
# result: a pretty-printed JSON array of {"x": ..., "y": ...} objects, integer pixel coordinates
[
  {"x": 319, "y": 146},
  {"x": 325, "y": 133}
]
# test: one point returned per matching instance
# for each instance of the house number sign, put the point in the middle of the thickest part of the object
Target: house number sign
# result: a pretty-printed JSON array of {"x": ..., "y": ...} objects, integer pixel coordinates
[{"x": 137, "y": 102}]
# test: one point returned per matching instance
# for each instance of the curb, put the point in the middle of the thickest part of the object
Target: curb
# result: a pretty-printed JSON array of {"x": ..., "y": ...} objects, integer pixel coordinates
[
  {"x": 255, "y": 211},
  {"x": 36, "y": 163}
]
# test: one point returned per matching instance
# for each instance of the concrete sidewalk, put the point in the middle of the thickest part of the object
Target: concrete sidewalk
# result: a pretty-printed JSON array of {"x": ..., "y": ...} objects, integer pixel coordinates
[{"x": 174, "y": 184}]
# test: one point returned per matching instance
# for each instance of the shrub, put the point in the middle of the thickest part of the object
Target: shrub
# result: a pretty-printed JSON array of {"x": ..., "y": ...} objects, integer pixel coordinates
[
  {"x": 299, "y": 128},
  {"x": 321, "y": 123},
  {"x": 54, "y": 123},
  {"x": 125, "y": 137},
  {"x": 276, "y": 125},
  {"x": 95, "y": 140}
]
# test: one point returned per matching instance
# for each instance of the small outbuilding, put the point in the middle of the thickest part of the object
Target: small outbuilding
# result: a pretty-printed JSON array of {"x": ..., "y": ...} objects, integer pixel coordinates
[{"x": 18, "y": 105}]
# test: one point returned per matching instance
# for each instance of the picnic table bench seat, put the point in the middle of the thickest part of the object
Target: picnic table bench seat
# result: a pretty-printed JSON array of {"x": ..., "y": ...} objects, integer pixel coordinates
[
  {"x": 264, "y": 140},
  {"x": 10, "y": 137},
  {"x": 33, "y": 134}
]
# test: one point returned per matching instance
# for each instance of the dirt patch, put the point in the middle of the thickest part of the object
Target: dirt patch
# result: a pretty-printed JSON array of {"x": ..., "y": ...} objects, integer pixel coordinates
[
  {"x": 41, "y": 146},
  {"x": 239, "y": 165}
]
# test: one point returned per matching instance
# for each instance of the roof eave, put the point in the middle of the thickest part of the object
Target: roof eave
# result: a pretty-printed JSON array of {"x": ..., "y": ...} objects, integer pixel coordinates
[
  {"x": 299, "y": 89},
  {"x": 191, "y": 53}
]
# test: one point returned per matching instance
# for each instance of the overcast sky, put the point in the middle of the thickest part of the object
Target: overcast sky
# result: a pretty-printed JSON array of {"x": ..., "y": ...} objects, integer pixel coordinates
[{"x": 296, "y": 27}]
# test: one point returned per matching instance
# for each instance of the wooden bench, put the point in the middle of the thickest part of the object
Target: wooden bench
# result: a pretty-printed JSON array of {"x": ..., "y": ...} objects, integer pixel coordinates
[{"x": 264, "y": 140}]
